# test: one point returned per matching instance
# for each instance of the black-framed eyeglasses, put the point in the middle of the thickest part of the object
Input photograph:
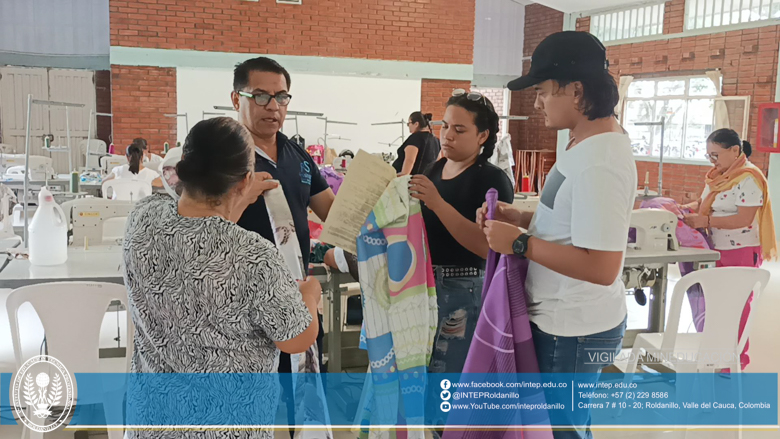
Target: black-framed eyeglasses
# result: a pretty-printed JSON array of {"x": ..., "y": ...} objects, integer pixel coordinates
[
  {"x": 470, "y": 95},
  {"x": 282, "y": 98}
]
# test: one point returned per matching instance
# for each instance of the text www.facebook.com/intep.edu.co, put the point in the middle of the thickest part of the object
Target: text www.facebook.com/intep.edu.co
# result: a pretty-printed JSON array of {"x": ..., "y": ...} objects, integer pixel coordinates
[{"x": 463, "y": 390}]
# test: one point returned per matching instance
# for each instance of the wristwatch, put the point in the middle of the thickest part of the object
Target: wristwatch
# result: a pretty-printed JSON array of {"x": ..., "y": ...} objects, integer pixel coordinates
[{"x": 520, "y": 246}]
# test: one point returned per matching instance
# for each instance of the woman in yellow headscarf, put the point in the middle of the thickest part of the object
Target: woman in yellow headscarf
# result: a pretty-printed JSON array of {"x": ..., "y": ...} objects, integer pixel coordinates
[{"x": 735, "y": 207}]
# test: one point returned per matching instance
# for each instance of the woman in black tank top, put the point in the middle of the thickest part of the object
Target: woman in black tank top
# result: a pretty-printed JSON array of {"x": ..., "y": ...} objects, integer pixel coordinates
[{"x": 420, "y": 149}]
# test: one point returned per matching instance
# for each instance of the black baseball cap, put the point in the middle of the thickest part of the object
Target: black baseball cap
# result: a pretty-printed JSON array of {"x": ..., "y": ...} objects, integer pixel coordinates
[{"x": 569, "y": 56}]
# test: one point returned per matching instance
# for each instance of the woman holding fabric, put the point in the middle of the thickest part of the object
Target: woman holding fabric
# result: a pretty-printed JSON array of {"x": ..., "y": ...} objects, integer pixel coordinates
[
  {"x": 206, "y": 295},
  {"x": 420, "y": 149},
  {"x": 451, "y": 191},
  {"x": 735, "y": 207}
]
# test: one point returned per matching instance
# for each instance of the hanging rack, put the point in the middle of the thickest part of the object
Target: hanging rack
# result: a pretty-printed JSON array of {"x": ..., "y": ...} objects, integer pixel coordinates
[
  {"x": 337, "y": 122},
  {"x": 30, "y": 103},
  {"x": 95, "y": 115},
  {"x": 210, "y": 113},
  {"x": 67, "y": 129},
  {"x": 403, "y": 133},
  {"x": 439, "y": 122},
  {"x": 184, "y": 115},
  {"x": 661, "y": 123},
  {"x": 295, "y": 114}
]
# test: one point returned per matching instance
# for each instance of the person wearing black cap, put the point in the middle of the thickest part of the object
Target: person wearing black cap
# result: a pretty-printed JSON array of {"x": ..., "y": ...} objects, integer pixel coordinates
[{"x": 577, "y": 238}]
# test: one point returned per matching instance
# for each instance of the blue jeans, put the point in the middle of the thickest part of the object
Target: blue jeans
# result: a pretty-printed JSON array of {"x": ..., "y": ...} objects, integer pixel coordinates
[
  {"x": 460, "y": 302},
  {"x": 558, "y": 354}
]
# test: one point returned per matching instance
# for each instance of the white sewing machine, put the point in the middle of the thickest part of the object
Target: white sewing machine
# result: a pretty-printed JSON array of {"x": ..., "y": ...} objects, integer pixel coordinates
[
  {"x": 647, "y": 261},
  {"x": 96, "y": 219},
  {"x": 526, "y": 202},
  {"x": 12, "y": 167},
  {"x": 655, "y": 230},
  {"x": 110, "y": 162}
]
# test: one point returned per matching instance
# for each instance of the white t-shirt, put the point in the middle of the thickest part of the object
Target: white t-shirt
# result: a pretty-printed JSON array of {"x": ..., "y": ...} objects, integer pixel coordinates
[
  {"x": 586, "y": 202},
  {"x": 153, "y": 162},
  {"x": 145, "y": 174},
  {"x": 746, "y": 193}
]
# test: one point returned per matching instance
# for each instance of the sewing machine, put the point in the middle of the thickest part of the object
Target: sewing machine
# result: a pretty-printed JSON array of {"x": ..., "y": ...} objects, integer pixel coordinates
[
  {"x": 96, "y": 219},
  {"x": 647, "y": 260},
  {"x": 526, "y": 202},
  {"x": 110, "y": 162},
  {"x": 12, "y": 167},
  {"x": 655, "y": 230}
]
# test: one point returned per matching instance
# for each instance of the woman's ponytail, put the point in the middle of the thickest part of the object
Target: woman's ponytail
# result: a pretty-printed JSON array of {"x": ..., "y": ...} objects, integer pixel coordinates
[{"x": 747, "y": 148}]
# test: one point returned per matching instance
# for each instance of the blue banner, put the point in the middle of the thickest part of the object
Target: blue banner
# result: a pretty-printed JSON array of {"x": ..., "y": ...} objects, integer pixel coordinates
[{"x": 473, "y": 400}]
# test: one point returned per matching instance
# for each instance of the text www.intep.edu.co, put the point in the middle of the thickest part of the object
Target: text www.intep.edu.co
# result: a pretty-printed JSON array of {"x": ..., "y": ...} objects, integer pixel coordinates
[{"x": 520, "y": 385}]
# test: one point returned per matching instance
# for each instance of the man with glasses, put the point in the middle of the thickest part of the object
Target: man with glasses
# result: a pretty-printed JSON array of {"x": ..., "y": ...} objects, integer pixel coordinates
[{"x": 261, "y": 93}]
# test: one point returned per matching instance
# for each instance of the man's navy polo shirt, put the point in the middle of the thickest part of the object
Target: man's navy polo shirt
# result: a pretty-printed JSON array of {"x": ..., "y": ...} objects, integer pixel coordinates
[{"x": 300, "y": 179}]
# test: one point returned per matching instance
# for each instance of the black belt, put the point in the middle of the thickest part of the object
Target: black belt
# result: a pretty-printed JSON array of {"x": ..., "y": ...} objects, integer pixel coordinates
[{"x": 441, "y": 272}]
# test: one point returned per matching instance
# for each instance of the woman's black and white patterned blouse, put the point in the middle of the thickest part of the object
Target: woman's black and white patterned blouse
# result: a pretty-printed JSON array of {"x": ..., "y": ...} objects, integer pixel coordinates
[{"x": 206, "y": 296}]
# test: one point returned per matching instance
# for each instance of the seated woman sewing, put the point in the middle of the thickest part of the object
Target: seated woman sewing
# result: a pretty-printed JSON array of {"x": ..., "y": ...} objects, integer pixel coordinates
[
  {"x": 135, "y": 169},
  {"x": 206, "y": 295}
]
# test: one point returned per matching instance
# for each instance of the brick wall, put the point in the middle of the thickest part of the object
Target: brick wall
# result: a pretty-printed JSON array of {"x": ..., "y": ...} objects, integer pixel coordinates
[
  {"x": 139, "y": 98},
  {"x": 540, "y": 21},
  {"x": 434, "y": 96},
  {"x": 103, "y": 104},
  {"x": 410, "y": 30},
  {"x": 747, "y": 58}
]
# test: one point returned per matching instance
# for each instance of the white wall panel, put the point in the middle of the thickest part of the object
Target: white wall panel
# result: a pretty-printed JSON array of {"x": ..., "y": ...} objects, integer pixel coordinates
[{"x": 352, "y": 99}]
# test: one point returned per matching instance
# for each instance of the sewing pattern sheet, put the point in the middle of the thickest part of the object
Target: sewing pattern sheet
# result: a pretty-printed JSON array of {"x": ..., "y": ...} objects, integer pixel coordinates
[
  {"x": 399, "y": 309},
  {"x": 364, "y": 184}
]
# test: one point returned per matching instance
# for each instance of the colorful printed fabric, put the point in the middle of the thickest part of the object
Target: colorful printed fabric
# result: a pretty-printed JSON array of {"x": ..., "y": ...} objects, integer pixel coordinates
[
  {"x": 312, "y": 410},
  {"x": 399, "y": 310},
  {"x": 503, "y": 343}
]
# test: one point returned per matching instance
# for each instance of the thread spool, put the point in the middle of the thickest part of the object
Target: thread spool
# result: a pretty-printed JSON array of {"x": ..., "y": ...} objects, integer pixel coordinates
[
  {"x": 74, "y": 182},
  {"x": 525, "y": 184}
]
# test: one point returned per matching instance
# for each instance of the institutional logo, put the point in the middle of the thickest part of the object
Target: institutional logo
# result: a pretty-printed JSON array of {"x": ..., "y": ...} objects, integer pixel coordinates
[{"x": 42, "y": 393}]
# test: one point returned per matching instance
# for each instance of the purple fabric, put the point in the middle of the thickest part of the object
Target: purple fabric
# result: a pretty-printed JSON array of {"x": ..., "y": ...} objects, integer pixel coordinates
[
  {"x": 503, "y": 342},
  {"x": 333, "y": 178}
]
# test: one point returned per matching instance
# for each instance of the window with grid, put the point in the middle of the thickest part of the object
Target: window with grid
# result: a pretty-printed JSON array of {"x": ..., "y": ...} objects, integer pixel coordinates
[
  {"x": 687, "y": 105},
  {"x": 700, "y": 14},
  {"x": 628, "y": 23}
]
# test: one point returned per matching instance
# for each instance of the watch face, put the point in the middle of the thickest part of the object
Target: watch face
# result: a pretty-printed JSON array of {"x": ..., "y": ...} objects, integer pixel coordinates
[{"x": 518, "y": 247}]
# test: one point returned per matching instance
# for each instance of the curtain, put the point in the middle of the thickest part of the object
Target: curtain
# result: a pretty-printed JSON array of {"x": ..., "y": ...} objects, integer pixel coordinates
[
  {"x": 721, "y": 112},
  {"x": 625, "y": 81}
]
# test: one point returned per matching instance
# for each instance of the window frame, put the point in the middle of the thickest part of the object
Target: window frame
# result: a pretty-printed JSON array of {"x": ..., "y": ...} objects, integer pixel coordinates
[
  {"x": 700, "y": 9},
  {"x": 687, "y": 97},
  {"x": 641, "y": 15}
]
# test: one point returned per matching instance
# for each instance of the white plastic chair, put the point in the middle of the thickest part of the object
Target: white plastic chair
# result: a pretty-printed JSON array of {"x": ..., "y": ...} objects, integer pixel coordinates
[
  {"x": 126, "y": 189},
  {"x": 71, "y": 314},
  {"x": 726, "y": 291},
  {"x": 719, "y": 346}
]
